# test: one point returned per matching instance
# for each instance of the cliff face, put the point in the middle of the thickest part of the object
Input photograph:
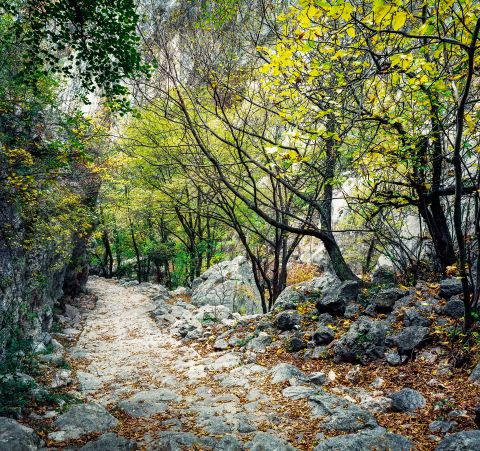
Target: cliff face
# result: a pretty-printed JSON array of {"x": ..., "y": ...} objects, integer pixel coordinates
[{"x": 42, "y": 257}]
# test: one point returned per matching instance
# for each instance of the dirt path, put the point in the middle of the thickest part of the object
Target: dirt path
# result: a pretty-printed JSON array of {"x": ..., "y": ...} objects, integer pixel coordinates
[
  {"x": 146, "y": 388},
  {"x": 164, "y": 390}
]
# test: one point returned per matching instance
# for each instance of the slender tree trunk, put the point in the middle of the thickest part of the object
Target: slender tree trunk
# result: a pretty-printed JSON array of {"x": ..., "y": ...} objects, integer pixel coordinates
[
  {"x": 457, "y": 166},
  {"x": 137, "y": 254}
]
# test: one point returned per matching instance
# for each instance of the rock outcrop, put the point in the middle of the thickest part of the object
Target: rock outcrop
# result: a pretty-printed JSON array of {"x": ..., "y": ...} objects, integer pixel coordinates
[{"x": 228, "y": 283}]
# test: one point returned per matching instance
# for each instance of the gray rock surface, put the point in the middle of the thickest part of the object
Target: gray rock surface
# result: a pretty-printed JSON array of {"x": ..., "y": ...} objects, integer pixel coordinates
[
  {"x": 350, "y": 419},
  {"x": 363, "y": 342},
  {"x": 148, "y": 403},
  {"x": 461, "y": 441},
  {"x": 384, "y": 300},
  {"x": 411, "y": 338},
  {"x": 287, "y": 320},
  {"x": 323, "y": 336},
  {"x": 260, "y": 343},
  {"x": 475, "y": 374},
  {"x": 268, "y": 442},
  {"x": 283, "y": 372},
  {"x": 377, "y": 439},
  {"x": 82, "y": 419},
  {"x": 414, "y": 318},
  {"x": 407, "y": 400},
  {"x": 17, "y": 437},
  {"x": 293, "y": 295},
  {"x": 336, "y": 298},
  {"x": 454, "y": 308},
  {"x": 110, "y": 442},
  {"x": 231, "y": 284},
  {"x": 229, "y": 443},
  {"x": 175, "y": 441},
  {"x": 450, "y": 287}
]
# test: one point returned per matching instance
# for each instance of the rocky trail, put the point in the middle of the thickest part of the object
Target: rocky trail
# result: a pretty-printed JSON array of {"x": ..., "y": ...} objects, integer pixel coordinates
[{"x": 149, "y": 370}]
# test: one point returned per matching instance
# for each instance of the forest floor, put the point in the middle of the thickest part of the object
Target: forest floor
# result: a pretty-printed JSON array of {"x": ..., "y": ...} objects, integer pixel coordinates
[{"x": 169, "y": 393}]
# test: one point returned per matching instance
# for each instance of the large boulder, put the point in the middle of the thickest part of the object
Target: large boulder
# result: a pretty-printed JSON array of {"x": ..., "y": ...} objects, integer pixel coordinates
[
  {"x": 410, "y": 338},
  {"x": 231, "y": 284},
  {"x": 461, "y": 441},
  {"x": 455, "y": 308},
  {"x": 17, "y": 437},
  {"x": 336, "y": 298},
  {"x": 364, "y": 342},
  {"x": 450, "y": 287},
  {"x": 384, "y": 300},
  {"x": 377, "y": 439},
  {"x": 296, "y": 294},
  {"x": 383, "y": 275}
]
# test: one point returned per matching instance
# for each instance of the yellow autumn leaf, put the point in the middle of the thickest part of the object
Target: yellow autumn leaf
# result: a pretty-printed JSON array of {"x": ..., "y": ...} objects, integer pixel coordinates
[{"x": 399, "y": 20}]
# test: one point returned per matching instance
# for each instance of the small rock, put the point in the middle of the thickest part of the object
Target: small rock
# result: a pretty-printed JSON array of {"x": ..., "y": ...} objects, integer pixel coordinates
[
  {"x": 147, "y": 403},
  {"x": 335, "y": 300},
  {"x": 413, "y": 318},
  {"x": 377, "y": 404},
  {"x": 394, "y": 358},
  {"x": 295, "y": 344},
  {"x": 407, "y": 400},
  {"x": 287, "y": 320},
  {"x": 440, "y": 426},
  {"x": 325, "y": 319},
  {"x": 61, "y": 378},
  {"x": 475, "y": 374},
  {"x": 457, "y": 414},
  {"x": 323, "y": 336},
  {"x": 317, "y": 378},
  {"x": 283, "y": 372},
  {"x": 350, "y": 419},
  {"x": 220, "y": 345},
  {"x": 363, "y": 342},
  {"x": 260, "y": 343},
  {"x": 353, "y": 375},
  {"x": 351, "y": 311}
]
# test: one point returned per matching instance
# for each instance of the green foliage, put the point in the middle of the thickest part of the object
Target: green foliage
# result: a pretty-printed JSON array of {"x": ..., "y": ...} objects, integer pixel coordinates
[{"x": 94, "y": 41}]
